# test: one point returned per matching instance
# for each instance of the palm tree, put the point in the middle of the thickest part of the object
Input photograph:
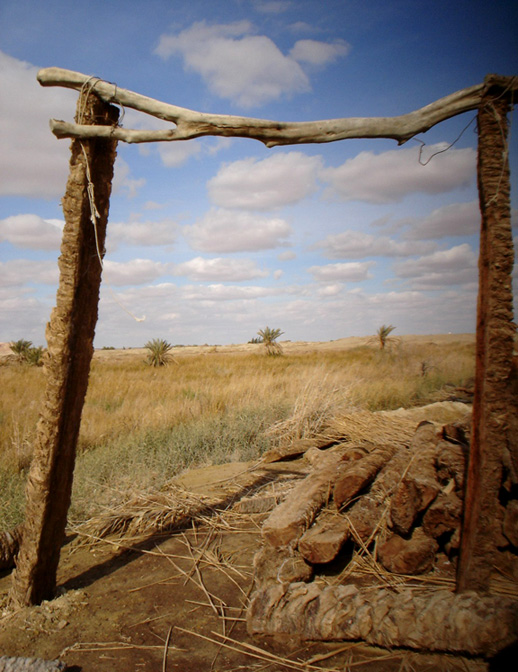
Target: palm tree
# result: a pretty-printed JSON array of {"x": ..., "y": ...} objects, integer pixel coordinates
[
  {"x": 269, "y": 338},
  {"x": 383, "y": 334},
  {"x": 21, "y": 349},
  {"x": 158, "y": 352},
  {"x": 34, "y": 356}
]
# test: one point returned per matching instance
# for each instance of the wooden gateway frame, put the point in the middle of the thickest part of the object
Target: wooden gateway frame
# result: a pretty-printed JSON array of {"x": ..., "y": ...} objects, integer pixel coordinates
[{"x": 70, "y": 332}]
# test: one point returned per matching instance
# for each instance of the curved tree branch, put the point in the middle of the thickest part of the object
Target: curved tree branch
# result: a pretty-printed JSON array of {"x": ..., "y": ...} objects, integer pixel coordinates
[{"x": 192, "y": 124}]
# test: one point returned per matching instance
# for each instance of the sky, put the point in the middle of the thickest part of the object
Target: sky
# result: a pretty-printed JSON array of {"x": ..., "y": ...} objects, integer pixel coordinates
[{"x": 210, "y": 240}]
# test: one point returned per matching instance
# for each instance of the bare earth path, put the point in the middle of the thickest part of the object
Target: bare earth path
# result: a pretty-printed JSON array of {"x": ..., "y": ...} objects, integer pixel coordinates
[{"x": 177, "y": 603}]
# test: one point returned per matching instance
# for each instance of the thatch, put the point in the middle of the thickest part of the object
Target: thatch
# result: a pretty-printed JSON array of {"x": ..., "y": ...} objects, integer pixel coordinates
[{"x": 148, "y": 514}]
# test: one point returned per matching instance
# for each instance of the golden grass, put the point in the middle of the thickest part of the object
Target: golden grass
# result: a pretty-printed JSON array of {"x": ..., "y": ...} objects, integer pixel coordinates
[{"x": 133, "y": 412}]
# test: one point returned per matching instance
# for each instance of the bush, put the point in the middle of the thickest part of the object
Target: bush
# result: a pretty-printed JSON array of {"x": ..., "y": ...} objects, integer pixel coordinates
[{"x": 159, "y": 352}]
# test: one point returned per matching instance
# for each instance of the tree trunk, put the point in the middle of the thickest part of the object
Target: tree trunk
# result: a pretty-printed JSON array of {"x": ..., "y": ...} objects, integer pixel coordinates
[
  {"x": 494, "y": 348},
  {"x": 70, "y": 334},
  {"x": 417, "y": 618}
]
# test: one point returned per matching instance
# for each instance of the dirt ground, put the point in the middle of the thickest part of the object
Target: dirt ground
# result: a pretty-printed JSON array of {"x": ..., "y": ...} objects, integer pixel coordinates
[{"x": 178, "y": 602}]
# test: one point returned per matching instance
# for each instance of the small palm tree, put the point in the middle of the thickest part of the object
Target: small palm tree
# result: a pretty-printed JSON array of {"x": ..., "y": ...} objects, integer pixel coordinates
[
  {"x": 21, "y": 349},
  {"x": 269, "y": 338},
  {"x": 35, "y": 356},
  {"x": 159, "y": 352},
  {"x": 383, "y": 334}
]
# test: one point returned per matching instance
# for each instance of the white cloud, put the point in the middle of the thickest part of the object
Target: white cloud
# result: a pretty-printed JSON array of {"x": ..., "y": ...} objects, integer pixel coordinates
[
  {"x": 145, "y": 233},
  {"x": 357, "y": 245},
  {"x": 216, "y": 145},
  {"x": 134, "y": 272},
  {"x": 229, "y": 231},
  {"x": 32, "y": 162},
  {"x": 442, "y": 269},
  {"x": 174, "y": 154},
  {"x": 456, "y": 219},
  {"x": 247, "y": 69},
  {"x": 219, "y": 292},
  {"x": 443, "y": 260},
  {"x": 319, "y": 53},
  {"x": 279, "y": 180},
  {"x": 302, "y": 27},
  {"x": 152, "y": 205},
  {"x": 123, "y": 183},
  {"x": 392, "y": 175},
  {"x": 289, "y": 255},
  {"x": 330, "y": 290},
  {"x": 354, "y": 271},
  {"x": 31, "y": 231},
  {"x": 224, "y": 270},
  {"x": 19, "y": 272}
]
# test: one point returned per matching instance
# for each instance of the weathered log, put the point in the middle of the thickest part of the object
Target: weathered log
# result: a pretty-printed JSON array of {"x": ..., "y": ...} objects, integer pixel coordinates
[
  {"x": 70, "y": 335},
  {"x": 9, "y": 546},
  {"x": 450, "y": 462},
  {"x": 492, "y": 405},
  {"x": 419, "y": 486},
  {"x": 360, "y": 474},
  {"x": 457, "y": 432},
  {"x": 322, "y": 542},
  {"x": 443, "y": 515},
  {"x": 365, "y": 515},
  {"x": 18, "y": 664},
  {"x": 193, "y": 124},
  {"x": 435, "y": 620},
  {"x": 288, "y": 522},
  {"x": 408, "y": 556},
  {"x": 280, "y": 565}
]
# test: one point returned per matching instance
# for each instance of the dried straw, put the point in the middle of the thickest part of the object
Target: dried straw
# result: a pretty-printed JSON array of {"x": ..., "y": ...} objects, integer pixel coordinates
[{"x": 148, "y": 514}]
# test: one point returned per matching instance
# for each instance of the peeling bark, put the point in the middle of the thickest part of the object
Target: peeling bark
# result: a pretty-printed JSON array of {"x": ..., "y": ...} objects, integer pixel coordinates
[
  {"x": 323, "y": 541},
  {"x": 435, "y": 620},
  {"x": 70, "y": 336},
  {"x": 494, "y": 349},
  {"x": 408, "y": 556},
  {"x": 366, "y": 514},
  {"x": 360, "y": 474},
  {"x": 288, "y": 522}
]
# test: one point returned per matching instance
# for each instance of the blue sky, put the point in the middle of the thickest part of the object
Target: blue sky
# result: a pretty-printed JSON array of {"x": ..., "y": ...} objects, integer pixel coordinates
[{"x": 213, "y": 239}]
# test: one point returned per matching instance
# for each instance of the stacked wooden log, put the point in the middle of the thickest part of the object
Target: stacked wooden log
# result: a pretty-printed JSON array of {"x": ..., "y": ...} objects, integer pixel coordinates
[
  {"x": 408, "y": 499},
  {"x": 402, "y": 506}
]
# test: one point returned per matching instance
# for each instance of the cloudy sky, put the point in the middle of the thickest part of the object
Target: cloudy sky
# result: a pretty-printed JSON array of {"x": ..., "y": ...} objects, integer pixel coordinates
[{"x": 213, "y": 239}]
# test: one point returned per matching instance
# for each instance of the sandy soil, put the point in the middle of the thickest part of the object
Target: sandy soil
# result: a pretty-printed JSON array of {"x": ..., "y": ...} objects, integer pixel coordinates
[
  {"x": 291, "y": 347},
  {"x": 288, "y": 346},
  {"x": 177, "y": 602}
]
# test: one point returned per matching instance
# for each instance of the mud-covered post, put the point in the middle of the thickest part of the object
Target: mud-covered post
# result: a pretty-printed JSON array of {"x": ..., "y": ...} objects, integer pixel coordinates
[
  {"x": 70, "y": 334},
  {"x": 494, "y": 346}
]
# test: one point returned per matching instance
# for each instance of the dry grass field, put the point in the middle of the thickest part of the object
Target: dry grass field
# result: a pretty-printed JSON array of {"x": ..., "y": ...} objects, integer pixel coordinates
[{"x": 214, "y": 404}]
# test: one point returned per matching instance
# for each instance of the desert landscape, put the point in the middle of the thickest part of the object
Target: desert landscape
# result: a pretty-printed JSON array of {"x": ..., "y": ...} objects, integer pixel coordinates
[{"x": 179, "y": 470}]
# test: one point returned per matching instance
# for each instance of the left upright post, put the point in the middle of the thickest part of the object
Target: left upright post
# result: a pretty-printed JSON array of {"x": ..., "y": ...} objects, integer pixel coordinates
[{"x": 70, "y": 335}]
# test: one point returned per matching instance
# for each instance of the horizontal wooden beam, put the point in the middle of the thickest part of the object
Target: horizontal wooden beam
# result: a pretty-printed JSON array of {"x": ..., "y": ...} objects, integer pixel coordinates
[{"x": 191, "y": 124}]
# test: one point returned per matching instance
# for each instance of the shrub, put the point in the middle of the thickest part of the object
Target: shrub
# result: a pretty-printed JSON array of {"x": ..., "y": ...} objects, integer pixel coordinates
[
  {"x": 21, "y": 349},
  {"x": 269, "y": 338},
  {"x": 383, "y": 334},
  {"x": 159, "y": 352}
]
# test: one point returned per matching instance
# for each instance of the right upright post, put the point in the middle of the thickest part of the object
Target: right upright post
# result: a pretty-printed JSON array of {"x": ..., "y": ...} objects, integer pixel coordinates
[{"x": 492, "y": 407}]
